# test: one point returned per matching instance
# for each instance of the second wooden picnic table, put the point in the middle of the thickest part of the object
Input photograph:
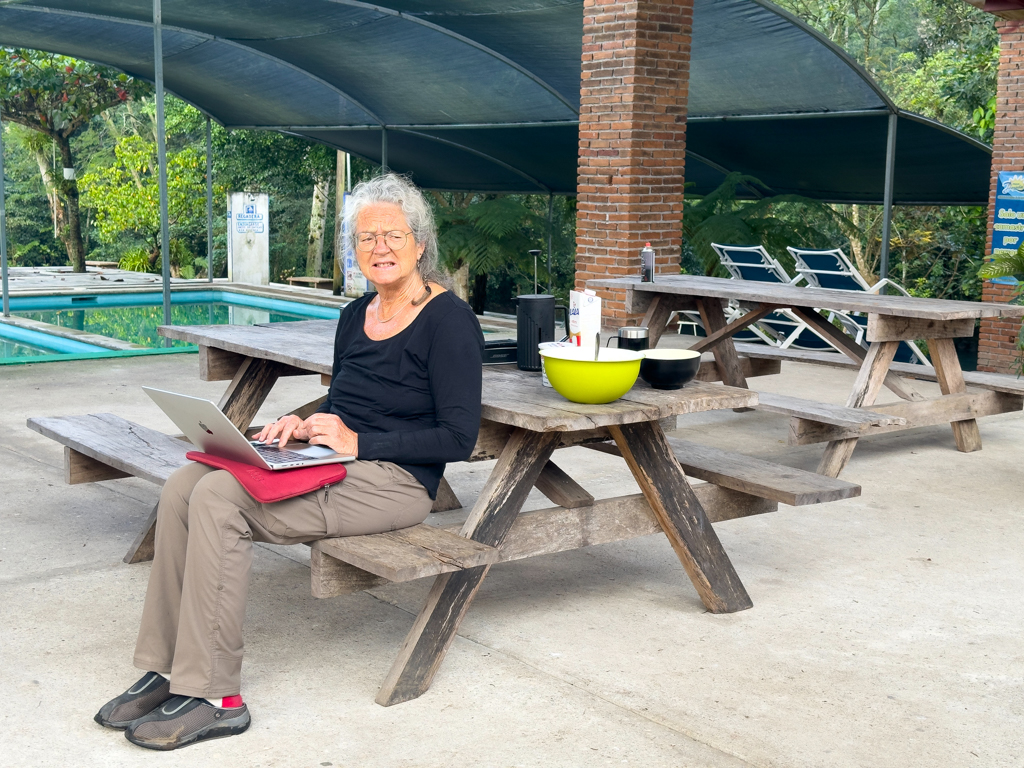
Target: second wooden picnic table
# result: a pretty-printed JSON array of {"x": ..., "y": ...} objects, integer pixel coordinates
[
  {"x": 891, "y": 319},
  {"x": 523, "y": 423}
]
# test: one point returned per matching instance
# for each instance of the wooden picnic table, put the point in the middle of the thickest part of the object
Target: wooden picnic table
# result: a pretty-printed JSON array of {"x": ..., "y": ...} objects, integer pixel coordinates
[
  {"x": 523, "y": 423},
  {"x": 891, "y": 319}
]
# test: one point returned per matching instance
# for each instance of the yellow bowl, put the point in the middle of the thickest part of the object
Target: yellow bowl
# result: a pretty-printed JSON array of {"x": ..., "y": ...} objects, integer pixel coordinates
[{"x": 576, "y": 376}]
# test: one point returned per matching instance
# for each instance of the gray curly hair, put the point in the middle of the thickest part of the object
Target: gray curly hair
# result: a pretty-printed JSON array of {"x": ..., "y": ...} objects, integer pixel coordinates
[{"x": 399, "y": 190}]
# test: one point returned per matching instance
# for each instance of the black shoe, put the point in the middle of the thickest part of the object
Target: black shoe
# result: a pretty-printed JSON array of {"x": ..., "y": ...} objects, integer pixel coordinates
[
  {"x": 141, "y": 699},
  {"x": 184, "y": 720}
]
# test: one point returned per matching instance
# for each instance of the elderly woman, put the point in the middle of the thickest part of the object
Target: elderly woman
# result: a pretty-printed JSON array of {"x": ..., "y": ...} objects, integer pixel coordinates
[{"x": 404, "y": 399}]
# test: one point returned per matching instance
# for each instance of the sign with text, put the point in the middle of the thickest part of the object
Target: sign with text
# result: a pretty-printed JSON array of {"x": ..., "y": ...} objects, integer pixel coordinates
[
  {"x": 1008, "y": 228},
  {"x": 355, "y": 282},
  {"x": 248, "y": 238}
]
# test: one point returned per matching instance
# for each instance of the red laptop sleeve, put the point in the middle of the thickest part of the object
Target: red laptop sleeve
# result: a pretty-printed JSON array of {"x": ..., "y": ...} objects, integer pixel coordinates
[{"x": 267, "y": 485}]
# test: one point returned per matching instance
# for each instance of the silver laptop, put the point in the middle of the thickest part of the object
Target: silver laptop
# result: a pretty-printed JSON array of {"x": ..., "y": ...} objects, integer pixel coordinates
[{"x": 205, "y": 425}]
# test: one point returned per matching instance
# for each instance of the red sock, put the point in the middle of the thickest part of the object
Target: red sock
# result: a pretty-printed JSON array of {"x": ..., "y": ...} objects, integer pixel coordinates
[{"x": 228, "y": 702}]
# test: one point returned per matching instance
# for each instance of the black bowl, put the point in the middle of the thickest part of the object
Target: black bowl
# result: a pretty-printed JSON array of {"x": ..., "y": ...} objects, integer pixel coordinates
[{"x": 669, "y": 368}]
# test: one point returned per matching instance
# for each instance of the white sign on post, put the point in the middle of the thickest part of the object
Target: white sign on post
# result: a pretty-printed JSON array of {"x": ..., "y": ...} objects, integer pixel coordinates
[
  {"x": 248, "y": 238},
  {"x": 355, "y": 281}
]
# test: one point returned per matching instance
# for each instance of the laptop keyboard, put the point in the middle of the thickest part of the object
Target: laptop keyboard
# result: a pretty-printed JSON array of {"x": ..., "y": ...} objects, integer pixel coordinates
[{"x": 276, "y": 455}]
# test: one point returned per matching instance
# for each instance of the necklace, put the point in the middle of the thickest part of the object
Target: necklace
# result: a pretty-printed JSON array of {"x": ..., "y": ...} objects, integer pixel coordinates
[{"x": 415, "y": 302}]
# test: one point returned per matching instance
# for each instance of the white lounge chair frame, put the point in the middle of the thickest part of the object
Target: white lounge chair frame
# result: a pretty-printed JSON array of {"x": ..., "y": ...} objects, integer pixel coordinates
[
  {"x": 772, "y": 265},
  {"x": 811, "y": 275},
  {"x": 847, "y": 269}
]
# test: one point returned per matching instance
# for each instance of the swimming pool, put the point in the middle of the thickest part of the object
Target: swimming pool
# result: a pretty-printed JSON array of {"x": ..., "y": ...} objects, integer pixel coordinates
[{"x": 134, "y": 318}]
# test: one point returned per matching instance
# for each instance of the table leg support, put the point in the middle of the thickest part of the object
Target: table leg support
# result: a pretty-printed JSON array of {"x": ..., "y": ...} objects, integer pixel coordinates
[
  {"x": 729, "y": 367},
  {"x": 248, "y": 389},
  {"x": 143, "y": 547},
  {"x": 515, "y": 474},
  {"x": 870, "y": 378},
  {"x": 656, "y": 319},
  {"x": 951, "y": 381},
  {"x": 654, "y": 465},
  {"x": 899, "y": 387}
]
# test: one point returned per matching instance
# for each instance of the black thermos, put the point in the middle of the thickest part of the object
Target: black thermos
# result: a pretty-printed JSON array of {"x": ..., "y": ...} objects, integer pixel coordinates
[{"x": 535, "y": 323}]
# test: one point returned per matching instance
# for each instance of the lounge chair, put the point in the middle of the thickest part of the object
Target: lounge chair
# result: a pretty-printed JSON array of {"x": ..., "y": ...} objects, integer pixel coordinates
[
  {"x": 780, "y": 329},
  {"x": 833, "y": 269}
]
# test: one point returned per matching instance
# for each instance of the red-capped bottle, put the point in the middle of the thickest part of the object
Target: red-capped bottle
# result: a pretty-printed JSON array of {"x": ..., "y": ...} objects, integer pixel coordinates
[{"x": 647, "y": 264}]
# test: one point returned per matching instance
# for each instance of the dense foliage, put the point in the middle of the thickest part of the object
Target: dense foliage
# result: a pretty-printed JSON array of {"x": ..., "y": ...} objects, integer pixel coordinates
[
  {"x": 57, "y": 97},
  {"x": 939, "y": 59}
]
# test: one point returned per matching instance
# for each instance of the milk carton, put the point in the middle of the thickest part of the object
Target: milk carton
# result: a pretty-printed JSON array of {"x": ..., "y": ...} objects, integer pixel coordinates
[{"x": 584, "y": 317}]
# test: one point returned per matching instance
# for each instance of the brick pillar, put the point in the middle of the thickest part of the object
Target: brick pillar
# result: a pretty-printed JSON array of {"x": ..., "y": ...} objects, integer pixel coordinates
[
  {"x": 633, "y": 97},
  {"x": 997, "y": 346}
]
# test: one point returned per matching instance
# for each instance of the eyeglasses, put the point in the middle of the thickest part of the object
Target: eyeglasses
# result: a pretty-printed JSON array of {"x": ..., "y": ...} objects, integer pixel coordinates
[{"x": 395, "y": 240}]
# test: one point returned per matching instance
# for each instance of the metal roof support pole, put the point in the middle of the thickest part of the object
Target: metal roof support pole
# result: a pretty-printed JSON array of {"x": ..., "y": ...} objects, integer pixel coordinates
[
  {"x": 383, "y": 149},
  {"x": 890, "y": 173},
  {"x": 551, "y": 219},
  {"x": 161, "y": 156},
  {"x": 209, "y": 201},
  {"x": 3, "y": 228}
]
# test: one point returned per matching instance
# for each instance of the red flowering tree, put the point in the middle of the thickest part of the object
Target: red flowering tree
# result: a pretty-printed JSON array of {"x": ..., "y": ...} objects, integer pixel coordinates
[{"x": 58, "y": 96}]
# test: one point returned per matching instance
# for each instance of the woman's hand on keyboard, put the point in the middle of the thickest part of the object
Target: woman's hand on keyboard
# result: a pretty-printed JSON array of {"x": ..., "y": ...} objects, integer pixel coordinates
[
  {"x": 284, "y": 429},
  {"x": 328, "y": 429}
]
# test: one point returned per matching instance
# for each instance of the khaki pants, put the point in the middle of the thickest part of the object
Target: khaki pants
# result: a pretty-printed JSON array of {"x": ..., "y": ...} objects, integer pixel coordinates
[{"x": 195, "y": 604}]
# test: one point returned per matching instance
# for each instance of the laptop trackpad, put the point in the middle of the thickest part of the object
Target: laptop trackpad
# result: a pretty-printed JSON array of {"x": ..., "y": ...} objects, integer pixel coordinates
[{"x": 313, "y": 451}]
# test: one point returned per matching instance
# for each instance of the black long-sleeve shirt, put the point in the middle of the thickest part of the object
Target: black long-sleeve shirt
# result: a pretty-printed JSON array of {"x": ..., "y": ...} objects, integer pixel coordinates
[{"x": 413, "y": 399}]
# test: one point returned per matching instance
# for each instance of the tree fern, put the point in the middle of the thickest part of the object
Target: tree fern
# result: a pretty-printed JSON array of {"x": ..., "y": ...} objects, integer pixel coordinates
[{"x": 773, "y": 222}]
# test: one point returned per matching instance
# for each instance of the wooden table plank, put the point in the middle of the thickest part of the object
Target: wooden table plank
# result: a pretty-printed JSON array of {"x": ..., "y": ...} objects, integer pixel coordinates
[
  {"x": 944, "y": 410},
  {"x": 512, "y": 397},
  {"x": 552, "y": 530},
  {"x": 824, "y": 298},
  {"x": 105, "y": 437},
  {"x": 308, "y": 345},
  {"x": 758, "y": 477},
  {"x": 826, "y": 413},
  {"x": 539, "y": 408},
  {"x": 409, "y": 553},
  {"x": 1000, "y": 382}
]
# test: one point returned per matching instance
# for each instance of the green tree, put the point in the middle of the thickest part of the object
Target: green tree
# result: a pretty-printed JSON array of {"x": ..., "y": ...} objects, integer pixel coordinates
[
  {"x": 126, "y": 195},
  {"x": 940, "y": 59},
  {"x": 479, "y": 233},
  {"x": 58, "y": 96}
]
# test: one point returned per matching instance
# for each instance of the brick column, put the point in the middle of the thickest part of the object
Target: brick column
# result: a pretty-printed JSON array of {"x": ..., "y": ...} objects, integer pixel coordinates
[
  {"x": 633, "y": 96},
  {"x": 997, "y": 347}
]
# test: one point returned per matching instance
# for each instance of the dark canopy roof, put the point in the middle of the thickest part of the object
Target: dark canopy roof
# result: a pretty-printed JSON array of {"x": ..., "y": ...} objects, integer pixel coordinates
[{"x": 484, "y": 94}]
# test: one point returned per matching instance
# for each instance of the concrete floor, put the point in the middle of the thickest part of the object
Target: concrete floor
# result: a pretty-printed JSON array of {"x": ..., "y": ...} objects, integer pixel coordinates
[{"x": 884, "y": 632}]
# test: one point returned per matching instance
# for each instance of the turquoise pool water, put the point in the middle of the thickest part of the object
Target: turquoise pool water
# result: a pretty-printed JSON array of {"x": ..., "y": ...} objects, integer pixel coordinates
[
  {"x": 12, "y": 349},
  {"x": 134, "y": 317}
]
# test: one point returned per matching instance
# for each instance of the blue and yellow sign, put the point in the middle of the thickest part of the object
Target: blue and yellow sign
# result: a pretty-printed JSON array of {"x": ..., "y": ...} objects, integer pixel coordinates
[{"x": 1008, "y": 229}]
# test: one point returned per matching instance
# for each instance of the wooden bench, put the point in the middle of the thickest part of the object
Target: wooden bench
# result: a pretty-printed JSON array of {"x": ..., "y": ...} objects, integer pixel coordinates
[
  {"x": 102, "y": 446},
  {"x": 997, "y": 382},
  {"x": 988, "y": 394},
  {"x": 753, "y": 476},
  {"x": 313, "y": 282}
]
